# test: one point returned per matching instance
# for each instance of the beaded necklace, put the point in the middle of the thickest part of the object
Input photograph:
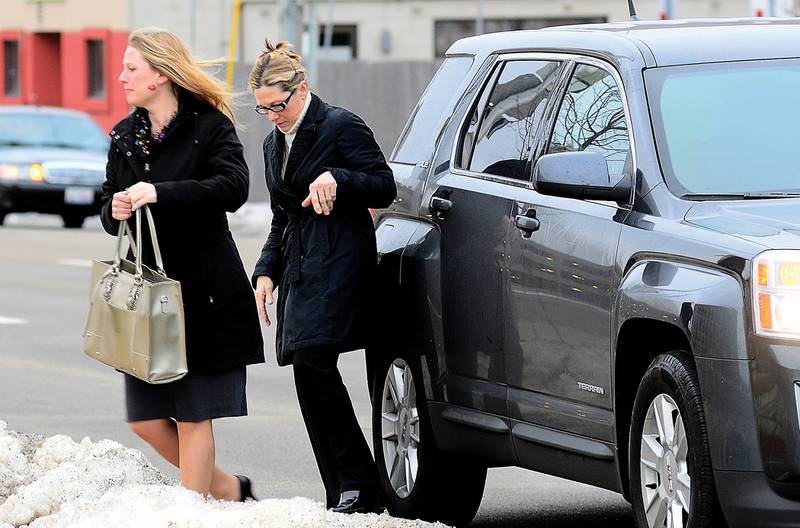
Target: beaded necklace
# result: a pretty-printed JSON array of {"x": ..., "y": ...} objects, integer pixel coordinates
[{"x": 145, "y": 138}]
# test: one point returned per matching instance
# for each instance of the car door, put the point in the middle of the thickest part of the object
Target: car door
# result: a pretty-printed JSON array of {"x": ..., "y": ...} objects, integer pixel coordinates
[
  {"x": 561, "y": 271},
  {"x": 470, "y": 204}
]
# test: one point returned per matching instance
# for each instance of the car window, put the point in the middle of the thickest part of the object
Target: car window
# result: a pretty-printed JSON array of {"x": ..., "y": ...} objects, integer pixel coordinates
[
  {"x": 57, "y": 131},
  {"x": 420, "y": 134},
  {"x": 592, "y": 118},
  {"x": 508, "y": 118}
]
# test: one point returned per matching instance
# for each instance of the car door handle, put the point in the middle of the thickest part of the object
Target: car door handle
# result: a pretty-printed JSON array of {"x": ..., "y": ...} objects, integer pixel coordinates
[
  {"x": 526, "y": 223},
  {"x": 440, "y": 206}
]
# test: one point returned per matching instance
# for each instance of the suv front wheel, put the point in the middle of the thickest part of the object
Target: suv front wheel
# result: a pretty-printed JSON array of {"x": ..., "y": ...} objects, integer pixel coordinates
[
  {"x": 671, "y": 477},
  {"x": 418, "y": 481}
]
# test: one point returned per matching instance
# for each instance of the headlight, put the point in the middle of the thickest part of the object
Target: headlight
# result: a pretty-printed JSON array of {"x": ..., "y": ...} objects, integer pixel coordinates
[
  {"x": 776, "y": 293},
  {"x": 36, "y": 172},
  {"x": 9, "y": 172}
]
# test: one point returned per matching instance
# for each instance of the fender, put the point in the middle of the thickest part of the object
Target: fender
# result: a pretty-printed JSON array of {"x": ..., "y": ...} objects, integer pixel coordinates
[{"x": 708, "y": 306}]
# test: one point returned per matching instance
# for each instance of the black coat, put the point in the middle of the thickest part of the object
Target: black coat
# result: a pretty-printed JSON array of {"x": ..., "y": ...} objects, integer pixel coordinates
[
  {"x": 199, "y": 173},
  {"x": 324, "y": 266}
]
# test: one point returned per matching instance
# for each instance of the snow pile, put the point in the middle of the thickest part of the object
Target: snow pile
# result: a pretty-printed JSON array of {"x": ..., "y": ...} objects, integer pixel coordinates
[{"x": 56, "y": 482}]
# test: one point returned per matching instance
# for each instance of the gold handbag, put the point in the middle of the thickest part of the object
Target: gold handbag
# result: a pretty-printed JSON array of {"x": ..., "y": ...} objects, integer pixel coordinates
[{"x": 136, "y": 320}]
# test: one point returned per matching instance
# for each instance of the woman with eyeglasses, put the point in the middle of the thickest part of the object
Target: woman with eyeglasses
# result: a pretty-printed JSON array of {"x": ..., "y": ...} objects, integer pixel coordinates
[{"x": 324, "y": 172}]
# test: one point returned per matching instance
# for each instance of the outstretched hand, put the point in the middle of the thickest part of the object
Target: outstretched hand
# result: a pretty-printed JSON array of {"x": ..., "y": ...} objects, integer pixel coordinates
[{"x": 322, "y": 194}]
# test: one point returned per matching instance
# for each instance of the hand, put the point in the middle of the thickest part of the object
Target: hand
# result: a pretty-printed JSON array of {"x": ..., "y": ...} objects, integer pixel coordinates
[
  {"x": 121, "y": 206},
  {"x": 141, "y": 194},
  {"x": 264, "y": 295},
  {"x": 322, "y": 193}
]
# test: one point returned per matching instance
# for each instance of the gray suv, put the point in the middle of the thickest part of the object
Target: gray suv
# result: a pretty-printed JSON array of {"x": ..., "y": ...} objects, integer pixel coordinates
[{"x": 593, "y": 263}]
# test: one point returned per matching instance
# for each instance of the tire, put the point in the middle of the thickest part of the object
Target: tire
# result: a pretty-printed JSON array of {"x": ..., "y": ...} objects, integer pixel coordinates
[
  {"x": 73, "y": 220},
  {"x": 426, "y": 483},
  {"x": 2, "y": 217},
  {"x": 669, "y": 458}
]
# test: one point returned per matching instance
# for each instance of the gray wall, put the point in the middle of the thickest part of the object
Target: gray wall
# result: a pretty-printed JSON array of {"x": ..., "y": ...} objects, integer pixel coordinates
[{"x": 383, "y": 94}]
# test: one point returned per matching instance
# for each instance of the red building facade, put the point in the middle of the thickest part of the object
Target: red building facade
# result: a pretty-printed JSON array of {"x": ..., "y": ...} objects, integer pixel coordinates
[{"x": 75, "y": 70}]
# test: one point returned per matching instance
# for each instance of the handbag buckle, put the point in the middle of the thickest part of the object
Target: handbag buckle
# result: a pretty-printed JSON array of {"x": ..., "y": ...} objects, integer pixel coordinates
[
  {"x": 108, "y": 284},
  {"x": 136, "y": 290}
]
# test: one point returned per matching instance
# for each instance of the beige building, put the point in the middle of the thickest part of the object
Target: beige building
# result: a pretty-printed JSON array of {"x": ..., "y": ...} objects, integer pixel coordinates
[
  {"x": 368, "y": 30},
  {"x": 396, "y": 30}
]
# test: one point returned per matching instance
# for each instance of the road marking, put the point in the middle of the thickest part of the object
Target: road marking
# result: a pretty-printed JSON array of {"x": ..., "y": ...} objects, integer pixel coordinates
[
  {"x": 11, "y": 320},
  {"x": 81, "y": 263}
]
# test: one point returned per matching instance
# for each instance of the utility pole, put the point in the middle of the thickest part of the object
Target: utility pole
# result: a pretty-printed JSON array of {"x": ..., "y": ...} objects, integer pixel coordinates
[
  {"x": 313, "y": 41},
  {"x": 329, "y": 25},
  {"x": 290, "y": 20},
  {"x": 667, "y": 9},
  {"x": 479, "y": 22}
]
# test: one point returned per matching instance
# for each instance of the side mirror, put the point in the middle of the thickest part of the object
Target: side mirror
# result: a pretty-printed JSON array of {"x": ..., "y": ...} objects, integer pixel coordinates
[{"x": 581, "y": 175}]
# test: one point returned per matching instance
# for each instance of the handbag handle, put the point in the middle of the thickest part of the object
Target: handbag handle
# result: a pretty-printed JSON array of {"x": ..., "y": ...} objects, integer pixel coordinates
[{"x": 124, "y": 229}]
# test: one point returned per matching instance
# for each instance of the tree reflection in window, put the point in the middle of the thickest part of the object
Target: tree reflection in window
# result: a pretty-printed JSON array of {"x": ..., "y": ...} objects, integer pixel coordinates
[
  {"x": 592, "y": 118},
  {"x": 510, "y": 117}
]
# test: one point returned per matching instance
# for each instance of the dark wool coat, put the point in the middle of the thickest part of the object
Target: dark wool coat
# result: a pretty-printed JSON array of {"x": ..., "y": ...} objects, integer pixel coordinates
[
  {"x": 199, "y": 173},
  {"x": 324, "y": 266}
]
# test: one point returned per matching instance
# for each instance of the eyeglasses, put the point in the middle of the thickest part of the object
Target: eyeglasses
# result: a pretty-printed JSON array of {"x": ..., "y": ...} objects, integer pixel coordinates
[{"x": 280, "y": 107}]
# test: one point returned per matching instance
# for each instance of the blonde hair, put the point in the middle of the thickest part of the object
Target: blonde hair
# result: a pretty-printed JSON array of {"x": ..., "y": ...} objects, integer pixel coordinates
[
  {"x": 171, "y": 57},
  {"x": 277, "y": 65}
]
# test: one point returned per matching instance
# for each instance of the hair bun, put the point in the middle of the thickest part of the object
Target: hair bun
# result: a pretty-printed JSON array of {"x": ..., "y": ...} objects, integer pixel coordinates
[{"x": 281, "y": 47}]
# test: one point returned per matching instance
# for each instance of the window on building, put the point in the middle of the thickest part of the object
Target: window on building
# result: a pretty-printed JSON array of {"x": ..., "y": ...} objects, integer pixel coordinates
[
  {"x": 449, "y": 31},
  {"x": 11, "y": 73},
  {"x": 97, "y": 80},
  {"x": 343, "y": 43}
]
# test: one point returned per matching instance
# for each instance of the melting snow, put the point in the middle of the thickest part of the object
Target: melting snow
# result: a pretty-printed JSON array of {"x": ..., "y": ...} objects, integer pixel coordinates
[{"x": 57, "y": 482}]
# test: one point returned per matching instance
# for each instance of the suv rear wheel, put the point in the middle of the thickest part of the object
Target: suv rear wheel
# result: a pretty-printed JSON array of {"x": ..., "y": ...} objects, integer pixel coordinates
[
  {"x": 671, "y": 478},
  {"x": 418, "y": 481}
]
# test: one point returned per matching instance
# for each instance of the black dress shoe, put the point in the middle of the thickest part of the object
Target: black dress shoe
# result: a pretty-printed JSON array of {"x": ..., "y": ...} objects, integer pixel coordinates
[
  {"x": 245, "y": 488},
  {"x": 355, "y": 501}
]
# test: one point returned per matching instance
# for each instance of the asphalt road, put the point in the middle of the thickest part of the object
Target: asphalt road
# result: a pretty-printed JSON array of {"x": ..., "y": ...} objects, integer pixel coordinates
[{"x": 48, "y": 386}]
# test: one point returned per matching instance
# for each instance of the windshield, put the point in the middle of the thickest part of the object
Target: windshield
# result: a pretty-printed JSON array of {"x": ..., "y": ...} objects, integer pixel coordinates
[
  {"x": 43, "y": 130},
  {"x": 727, "y": 128}
]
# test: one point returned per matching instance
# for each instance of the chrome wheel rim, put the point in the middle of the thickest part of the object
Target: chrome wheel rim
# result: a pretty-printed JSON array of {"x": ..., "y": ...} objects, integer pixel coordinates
[
  {"x": 664, "y": 478},
  {"x": 400, "y": 428}
]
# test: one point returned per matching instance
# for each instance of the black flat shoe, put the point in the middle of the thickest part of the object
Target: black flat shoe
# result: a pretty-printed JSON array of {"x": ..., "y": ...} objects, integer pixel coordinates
[
  {"x": 355, "y": 501},
  {"x": 245, "y": 488}
]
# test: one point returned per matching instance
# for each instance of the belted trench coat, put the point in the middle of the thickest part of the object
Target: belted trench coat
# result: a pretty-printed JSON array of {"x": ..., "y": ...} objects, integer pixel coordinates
[{"x": 324, "y": 267}]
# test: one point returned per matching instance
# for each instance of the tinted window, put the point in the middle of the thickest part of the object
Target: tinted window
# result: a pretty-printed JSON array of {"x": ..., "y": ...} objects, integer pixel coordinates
[
  {"x": 508, "y": 119},
  {"x": 433, "y": 109},
  {"x": 592, "y": 118},
  {"x": 727, "y": 128},
  {"x": 60, "y": 131}
]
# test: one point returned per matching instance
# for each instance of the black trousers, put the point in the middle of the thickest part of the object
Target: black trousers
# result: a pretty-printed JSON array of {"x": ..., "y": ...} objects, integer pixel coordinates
[{"x": 343, "y": 456}]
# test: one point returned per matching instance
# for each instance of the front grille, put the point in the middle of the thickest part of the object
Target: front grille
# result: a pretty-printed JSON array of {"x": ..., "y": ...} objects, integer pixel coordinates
[{"x": 75, "y": 175}]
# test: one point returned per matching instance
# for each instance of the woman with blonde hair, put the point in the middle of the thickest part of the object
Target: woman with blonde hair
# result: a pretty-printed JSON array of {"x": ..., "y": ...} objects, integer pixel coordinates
[
  {"x": 324, "y": 171},
  {"x": 178, "y": 152}
]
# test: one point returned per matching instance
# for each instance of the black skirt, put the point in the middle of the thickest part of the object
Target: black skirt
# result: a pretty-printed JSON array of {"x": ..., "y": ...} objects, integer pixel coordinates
[{"x": 194, "y": 398}]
